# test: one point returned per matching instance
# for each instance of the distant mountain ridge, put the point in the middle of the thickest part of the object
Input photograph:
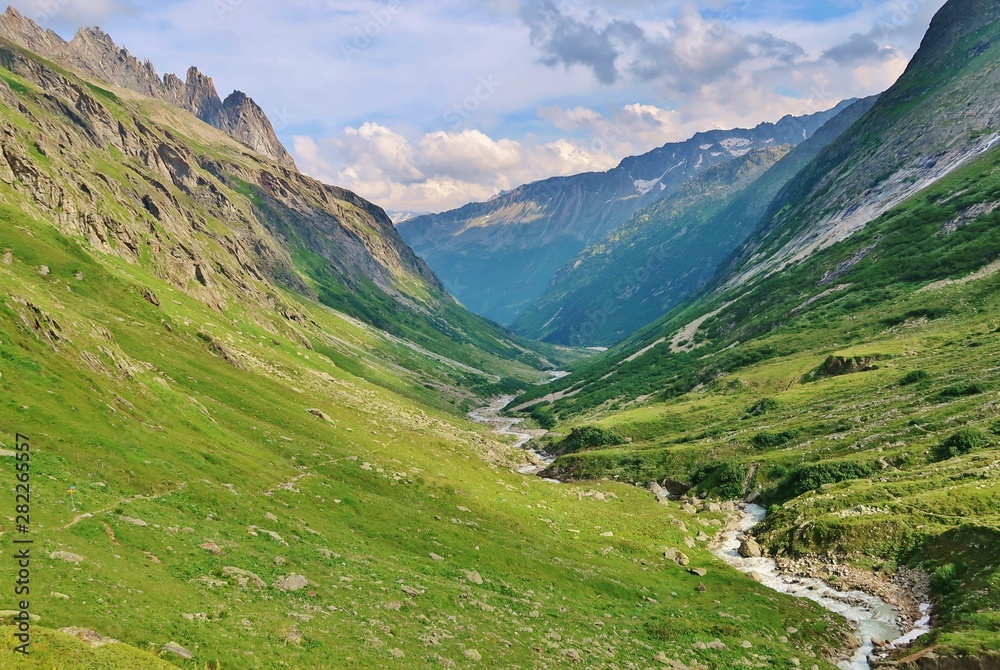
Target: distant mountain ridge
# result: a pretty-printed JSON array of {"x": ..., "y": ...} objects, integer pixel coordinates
[
  {"x": 638, "y": 272},
  {"x": 532, "y": 231},
  {"x": 93, "y": 51}
]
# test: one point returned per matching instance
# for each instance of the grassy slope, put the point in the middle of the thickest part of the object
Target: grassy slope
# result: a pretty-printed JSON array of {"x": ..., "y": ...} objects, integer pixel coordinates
[{"x": 206, "y": 446}]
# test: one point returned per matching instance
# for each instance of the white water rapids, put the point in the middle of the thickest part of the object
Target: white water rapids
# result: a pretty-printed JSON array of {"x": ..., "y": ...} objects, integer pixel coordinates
[{"x": 871, "y": 616}]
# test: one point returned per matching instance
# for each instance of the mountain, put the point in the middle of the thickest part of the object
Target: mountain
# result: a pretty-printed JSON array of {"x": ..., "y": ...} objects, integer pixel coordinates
[
  {"x": 672, "y": 248},
  {"x": 236, "y": 399},
  {"x": 94, "y": 52},
  {"x": 842, "y": 369},
  {"x": 141, "y": 180},
  {"x": 532, "y": 231}
]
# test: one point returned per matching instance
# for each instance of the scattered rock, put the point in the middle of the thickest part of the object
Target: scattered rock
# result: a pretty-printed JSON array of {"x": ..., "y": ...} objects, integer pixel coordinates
[
  {"x": 411, "y": 591},
  {"x": 60, "y": 596},
  {"x": 67, "y": 556},
  {"x": 702, "y": 537},
  {"x": 473, "y": 655},
  {"x": 8, "y": 258},
  {"x": 134, "y": 522},
  {"x": 746, "y": 644},
  {"x": 699, "y": 572},
  {"x": 661, "y": 658},
  {"x": 293, "y": 636},
  {"x": 177, "y": 650},
  {"x": 244, "y": 578},
  {"x": 756, "y": 576},
  {"x": 270, "y": 517},
  {"x": 44, "y": 270},
  {"x": 677, "y": 557},
  {"x": 474, "y": 577},
  {"x": 714, "y": 644},
  {"x": 573, "y": 655},
  {"x": 397, "y": 653},
  {"x": 607, "y": 534},
  {"x": 320, "y": 413},
  {"x": 435, "y": 557},
  {"x": 90, "y": 637},
  {"x": 292, "y": 582},
  {"x": 689, "y": 508},
  {"x": 278, "y": 560},
  {"x": 701, "y": 587},
  {"x": 212, "y": 547}
]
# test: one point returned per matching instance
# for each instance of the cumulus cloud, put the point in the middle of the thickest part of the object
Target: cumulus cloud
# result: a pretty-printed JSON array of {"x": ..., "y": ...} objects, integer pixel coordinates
[{"x": 439, "y": 170}]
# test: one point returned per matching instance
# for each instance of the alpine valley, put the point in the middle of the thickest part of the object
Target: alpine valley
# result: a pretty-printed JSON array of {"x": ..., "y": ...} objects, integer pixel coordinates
[{"x": 244, "y": 403}]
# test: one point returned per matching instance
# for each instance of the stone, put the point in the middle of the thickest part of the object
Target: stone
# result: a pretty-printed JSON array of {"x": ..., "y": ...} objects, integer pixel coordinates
[
  {"x": 270, "y": 517},
  {"x": 92, "y": 638},
  {"x": 44, "y": 270},
  {"x": 67, "y": 556},
  {"x": 677, "y": 557},
  {"x": 292, "y": 582},
  {"x": 746, "y": 644},
  {"x": 689, "y": 508},
  {"x": 320, "y": 414},
  {"x": 293, "y": 636},
  {"x": 278, "y": 560},
  {"x": 702, "y": 588},
  {"x": 436, "y": 557},
  {"x": 698, "y": 572},
  {"x": 473, "y": 655},
  {"x": 702, "y": 537},
  {"x": 756, "y": 576},
  {"x": 244, "y": 578},
  {"x": 212, "y": 547},
  {"x": 133, "y": 521},
  {"x": 573, "y": 655},
  {"x": 411, "y": 591},
  {"x": 474, "y": 577},
  {"x": 749, "y": 548},
  {"x": 177, "y": 650}
]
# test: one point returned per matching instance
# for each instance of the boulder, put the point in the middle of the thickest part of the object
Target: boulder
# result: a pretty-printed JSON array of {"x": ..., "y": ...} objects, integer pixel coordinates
[
  {"x": 749, "y": 548},
  {"x": 292, "y": 582}
]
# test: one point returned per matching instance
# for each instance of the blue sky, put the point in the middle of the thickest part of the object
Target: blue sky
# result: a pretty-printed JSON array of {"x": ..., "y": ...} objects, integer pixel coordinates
[{"x": 423, "y": 106}]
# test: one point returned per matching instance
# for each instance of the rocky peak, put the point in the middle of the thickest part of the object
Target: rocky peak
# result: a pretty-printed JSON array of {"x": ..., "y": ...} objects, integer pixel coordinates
[{"x": 94, "y": 51}]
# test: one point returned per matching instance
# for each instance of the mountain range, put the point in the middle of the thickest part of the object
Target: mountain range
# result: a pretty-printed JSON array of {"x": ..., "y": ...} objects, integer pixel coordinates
[{"x": 531, "y": 232}]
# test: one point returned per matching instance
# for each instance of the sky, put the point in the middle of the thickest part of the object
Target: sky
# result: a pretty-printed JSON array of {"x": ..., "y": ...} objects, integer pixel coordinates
[{"x": 423, "y": 106}]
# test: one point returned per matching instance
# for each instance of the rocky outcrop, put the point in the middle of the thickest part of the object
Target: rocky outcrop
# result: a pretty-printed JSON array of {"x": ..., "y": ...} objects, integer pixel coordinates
[
  {"x": 930, "y": 660},
  {"x": 96, "y": 54}
]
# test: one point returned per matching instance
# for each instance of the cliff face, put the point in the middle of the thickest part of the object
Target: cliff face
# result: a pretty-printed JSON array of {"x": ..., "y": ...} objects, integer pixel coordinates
[{"x": 95, "y": 53}]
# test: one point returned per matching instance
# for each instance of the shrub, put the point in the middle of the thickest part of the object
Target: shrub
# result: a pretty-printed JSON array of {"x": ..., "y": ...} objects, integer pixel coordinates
[
  {"x": 914, "y": 377},
  {"x": 544, "y": 417},
  {"x": 588, "y": 437},
  {"x": 807, "y": 478},
  {"x": 995, "y": 428},
  {"x": 767, "y": 440},
  {"x": 960, "y": 391},
  {"x": 726, "y": 480},
  {"x": 762, "y": 406},
  {"x": 962, "y": 442},
  {"x": 945, "y": 579}
]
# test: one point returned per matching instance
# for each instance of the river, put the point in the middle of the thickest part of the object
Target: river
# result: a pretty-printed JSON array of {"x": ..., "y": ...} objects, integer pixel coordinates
[{"x": 871, "y": 616}]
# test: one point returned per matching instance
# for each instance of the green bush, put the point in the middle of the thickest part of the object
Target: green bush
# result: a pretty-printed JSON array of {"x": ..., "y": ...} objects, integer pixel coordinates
[
  {"x": 945, "y": 579},
  {"x": 962, "y": 442},
  {"x": 767, "y": 440},
  {"x": 761, "y": 407},
  {"x": 995, "y": 428},
  {"x": 544, "y": 417},
  {"x": 960, "y": 391},
  {"x": 725, "y": 480},
  {"x": 807, "y": 478},
  {"x": 914, "y": 377},
  {"x": 588, "y": 437}
]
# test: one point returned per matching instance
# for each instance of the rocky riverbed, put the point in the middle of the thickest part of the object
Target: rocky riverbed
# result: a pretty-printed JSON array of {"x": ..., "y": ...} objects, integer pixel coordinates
[{"x": 886, "y": 614}]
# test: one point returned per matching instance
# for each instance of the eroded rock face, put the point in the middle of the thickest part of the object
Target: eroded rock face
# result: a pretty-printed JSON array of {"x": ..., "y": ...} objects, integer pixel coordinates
[{"x": 93, "y": 51}]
